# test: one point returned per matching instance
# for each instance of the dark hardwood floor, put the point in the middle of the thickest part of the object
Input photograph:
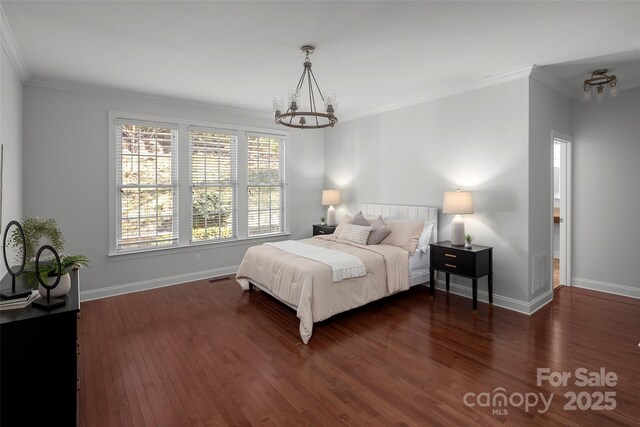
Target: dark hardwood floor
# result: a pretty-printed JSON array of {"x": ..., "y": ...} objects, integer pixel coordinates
[{"x": 209, "y": 354}]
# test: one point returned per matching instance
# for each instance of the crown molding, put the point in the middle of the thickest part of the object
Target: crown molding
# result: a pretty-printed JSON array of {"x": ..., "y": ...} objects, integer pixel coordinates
[
  {"x": 444, "y": 92},
  {"x": 546, "y": 78},
  {"x": 11, "y": 47},
  {"x": 138, "y": 96}
]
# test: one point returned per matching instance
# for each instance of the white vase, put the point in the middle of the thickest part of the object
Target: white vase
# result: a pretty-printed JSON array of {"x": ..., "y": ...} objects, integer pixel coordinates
[
  {"x": 63, "y": 287},
  {"x": 467, "y": 245}
]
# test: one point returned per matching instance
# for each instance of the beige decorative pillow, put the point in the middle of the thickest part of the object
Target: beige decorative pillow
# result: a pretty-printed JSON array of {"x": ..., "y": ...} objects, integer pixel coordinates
[
  {"x": 379, "y": 231},
  {"x": 404, "y": 235},
  {"x": 340, "y": 226},
  {"x": 355, "y": 233}
]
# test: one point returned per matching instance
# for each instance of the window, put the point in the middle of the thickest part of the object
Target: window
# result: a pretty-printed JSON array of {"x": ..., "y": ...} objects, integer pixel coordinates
[
  {"x": 214, "y": 184},
  {"x": 265, "y": 184},
  {"x": 147, "y": 192},
  {"x": 233, "y": 181}
]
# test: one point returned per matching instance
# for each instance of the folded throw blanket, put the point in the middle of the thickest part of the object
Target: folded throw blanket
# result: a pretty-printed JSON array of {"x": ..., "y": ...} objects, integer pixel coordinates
[{"x": 343, "y": 265}]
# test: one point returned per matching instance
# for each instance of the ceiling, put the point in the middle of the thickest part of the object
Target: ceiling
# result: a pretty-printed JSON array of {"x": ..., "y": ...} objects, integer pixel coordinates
[{"x": 373, "y": 54}]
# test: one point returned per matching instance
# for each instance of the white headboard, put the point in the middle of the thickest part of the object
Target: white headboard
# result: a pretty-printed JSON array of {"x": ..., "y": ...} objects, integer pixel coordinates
[{"x": 408, "y": 213}]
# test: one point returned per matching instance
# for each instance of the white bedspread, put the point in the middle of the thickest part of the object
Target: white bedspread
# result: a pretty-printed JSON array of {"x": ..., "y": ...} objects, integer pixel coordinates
[{"x": 343, "y": 265}]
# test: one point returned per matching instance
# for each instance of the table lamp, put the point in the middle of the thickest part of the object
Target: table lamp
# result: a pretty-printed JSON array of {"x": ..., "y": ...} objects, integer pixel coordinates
[
  {"x": 458, "y": 203},
  {"x": 331, "y": 197}
]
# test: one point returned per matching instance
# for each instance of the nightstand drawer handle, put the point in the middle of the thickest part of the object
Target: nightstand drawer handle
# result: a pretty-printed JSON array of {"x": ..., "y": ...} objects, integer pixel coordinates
[
  {"x": 451, "y": 255},
  {"x": 449, "y": 265},
  {"x": 321, "y": 232}
]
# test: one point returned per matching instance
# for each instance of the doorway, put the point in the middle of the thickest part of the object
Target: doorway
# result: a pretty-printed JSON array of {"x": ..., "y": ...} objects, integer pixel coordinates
[{"x": 561, "y": 229}]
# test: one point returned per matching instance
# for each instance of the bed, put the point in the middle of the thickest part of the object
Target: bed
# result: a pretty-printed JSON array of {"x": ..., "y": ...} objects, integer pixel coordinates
[{"x": 311, "y": 288}]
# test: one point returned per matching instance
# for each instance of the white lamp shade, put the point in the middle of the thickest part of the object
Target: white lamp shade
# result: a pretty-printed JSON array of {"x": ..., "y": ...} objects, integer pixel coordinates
[
  {"x": 330, "y": 197},
  {"x": 457, "y": 202}
]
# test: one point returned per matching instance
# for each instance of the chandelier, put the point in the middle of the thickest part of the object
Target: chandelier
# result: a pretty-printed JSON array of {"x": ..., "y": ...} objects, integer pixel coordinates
[
  {"x": 306, "y": 116},
  {"x": 599, "y": 86}
]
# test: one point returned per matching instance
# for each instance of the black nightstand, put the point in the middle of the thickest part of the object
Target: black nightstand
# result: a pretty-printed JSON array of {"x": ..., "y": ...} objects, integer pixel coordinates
[
  {"x": 472, "y": 263},
  {"x": 323, "y": 229}
]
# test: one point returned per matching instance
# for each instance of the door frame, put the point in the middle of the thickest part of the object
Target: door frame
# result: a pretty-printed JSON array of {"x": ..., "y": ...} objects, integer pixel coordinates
[{"x": 565, "y": 205}]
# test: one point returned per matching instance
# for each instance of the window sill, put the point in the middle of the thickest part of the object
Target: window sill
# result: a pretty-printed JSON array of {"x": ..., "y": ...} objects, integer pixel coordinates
[{"x": 195, "y": 246}]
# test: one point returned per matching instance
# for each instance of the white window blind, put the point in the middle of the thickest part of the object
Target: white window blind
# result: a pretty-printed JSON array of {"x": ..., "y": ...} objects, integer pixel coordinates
[
  {"x": 146, "y": 179},
  {"x": 265, "y": 184},
  {"x": 214, "y": 184}
]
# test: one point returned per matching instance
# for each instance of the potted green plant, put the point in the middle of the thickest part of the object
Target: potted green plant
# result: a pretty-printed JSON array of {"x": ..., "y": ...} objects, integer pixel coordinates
[
  {"x": 38, "y": 232},
  {"x": 48, "y": 269},
  {"x": 468, "y": 238},
  {"x": 322, "y": 220}
]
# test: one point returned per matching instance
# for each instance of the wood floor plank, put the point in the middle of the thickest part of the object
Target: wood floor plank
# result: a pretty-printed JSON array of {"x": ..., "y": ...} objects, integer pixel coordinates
[{"x": 209, "y": 354}]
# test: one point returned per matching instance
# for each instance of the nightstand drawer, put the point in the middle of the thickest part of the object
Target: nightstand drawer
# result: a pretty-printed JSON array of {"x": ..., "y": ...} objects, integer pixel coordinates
[{"x": 454, "y": 261}]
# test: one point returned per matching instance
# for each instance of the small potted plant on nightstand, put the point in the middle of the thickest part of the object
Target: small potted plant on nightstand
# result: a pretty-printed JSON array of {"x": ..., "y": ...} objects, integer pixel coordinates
[
  {"x": 468, "y": 238},
  {"x": 322, "y": 220}
]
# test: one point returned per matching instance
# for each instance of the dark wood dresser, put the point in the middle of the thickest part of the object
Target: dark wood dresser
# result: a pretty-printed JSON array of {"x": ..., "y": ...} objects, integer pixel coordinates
[{"x": 39, "y": 364}]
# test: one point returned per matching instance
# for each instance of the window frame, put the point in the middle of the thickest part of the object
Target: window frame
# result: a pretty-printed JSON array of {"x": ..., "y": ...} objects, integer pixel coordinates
[
  {"x": 233, "y": 184},
  {"x": 184, "y": 184},
  {"x": 282, "y": 141}
]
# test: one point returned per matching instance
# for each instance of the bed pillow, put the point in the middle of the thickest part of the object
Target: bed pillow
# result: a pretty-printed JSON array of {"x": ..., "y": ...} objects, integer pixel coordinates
[
  {"x": 355, "y": 233},
  {"x": 404, "y": 235},
  {"x": 341, "y": 225},
  {"x": 425, "y": 237},
  {"x": 379, "y": 231},
  {"x": 359, "y": 219}
]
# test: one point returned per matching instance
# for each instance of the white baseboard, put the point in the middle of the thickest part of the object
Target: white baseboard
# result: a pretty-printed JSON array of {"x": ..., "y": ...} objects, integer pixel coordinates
[
  {"x": 498, "y": 300},
  {"x": 541, "y": 301},
  {"x": 610, "y": 288},
  {"x": 144, "y": 285}
]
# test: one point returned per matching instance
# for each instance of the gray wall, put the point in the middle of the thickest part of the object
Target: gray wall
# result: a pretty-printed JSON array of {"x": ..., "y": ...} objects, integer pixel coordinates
[
  {"x": 477, "y": 141},
  {"x": 548, "y": 111},
  {"x": 66, "y": 177},
  {"x": 606, "y": 194},
  {"x": 11, "y": 138}
]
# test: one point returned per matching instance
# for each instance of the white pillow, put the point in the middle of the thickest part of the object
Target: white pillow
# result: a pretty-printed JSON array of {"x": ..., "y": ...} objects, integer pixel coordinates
[
  {"x": 425, "y": 236},
  {"x": 355, "y": 233}
]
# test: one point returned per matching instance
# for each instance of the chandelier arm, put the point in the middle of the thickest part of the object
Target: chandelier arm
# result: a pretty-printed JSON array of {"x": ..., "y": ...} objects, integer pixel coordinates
[
  {"x": 312, "y": 100},
  {"x": 318, "y": 87},
  {"x": 301, "y": 81},
  {"x": 314, "y": 109}
]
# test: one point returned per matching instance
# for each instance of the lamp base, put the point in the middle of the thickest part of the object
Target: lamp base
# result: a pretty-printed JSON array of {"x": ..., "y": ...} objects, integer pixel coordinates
[
  {"x": 331, "y": 215},
  {"x": 457, "y": 231}
]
